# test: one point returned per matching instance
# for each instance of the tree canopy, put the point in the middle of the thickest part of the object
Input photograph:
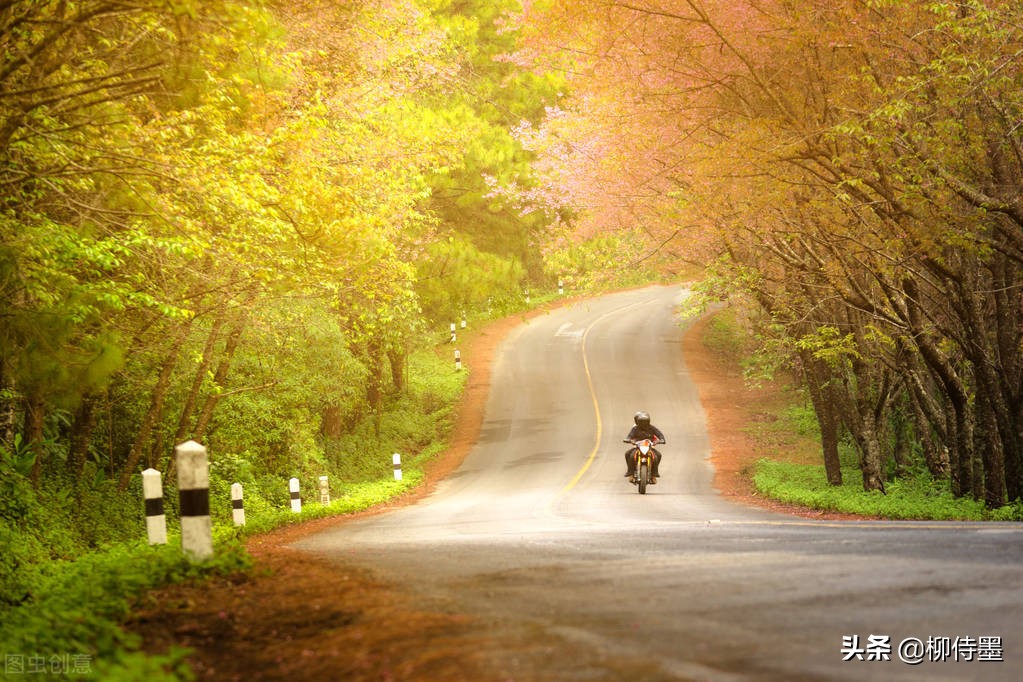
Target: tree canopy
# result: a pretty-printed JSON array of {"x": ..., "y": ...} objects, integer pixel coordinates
[
  {"x": 223, "y": 208},
  {"x": 854, "y": 168}
]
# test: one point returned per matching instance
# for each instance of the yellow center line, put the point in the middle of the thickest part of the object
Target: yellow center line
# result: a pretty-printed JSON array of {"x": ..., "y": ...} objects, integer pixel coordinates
[
  {"x": 596, "y": 412},
  {"x": 593, "y": 395}
]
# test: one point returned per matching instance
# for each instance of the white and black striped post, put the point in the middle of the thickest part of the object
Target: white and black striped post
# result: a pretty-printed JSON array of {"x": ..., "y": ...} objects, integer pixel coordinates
[
  {"x": 561, "y": 287},
  {"x": 296, "y": 498},
  {"x": 396, "y": 459},
  {"x": 237, "y": 504},
  {"x": 156, "y": 520},
  {"x": 453, "y": 337},
  {"x": 324, "y": 490},
  {"x": 464, "y": 321},
  {"x": 458, "y": 360},
  {"x": 194, "y": 500},
  {"x": 527, "y": 297}
]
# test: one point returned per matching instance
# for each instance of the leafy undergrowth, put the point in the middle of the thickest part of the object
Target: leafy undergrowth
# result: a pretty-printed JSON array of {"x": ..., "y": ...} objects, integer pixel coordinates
[
  {"x": 68, "y": 625},
  {"x": 74, "y": 562},
  {"x": 64, "y": 593},
  {"x": 913, "y": 497}
]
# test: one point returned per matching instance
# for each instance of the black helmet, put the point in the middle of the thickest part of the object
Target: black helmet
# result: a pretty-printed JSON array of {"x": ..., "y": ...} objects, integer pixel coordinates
[{"x": 641, "y": 418}]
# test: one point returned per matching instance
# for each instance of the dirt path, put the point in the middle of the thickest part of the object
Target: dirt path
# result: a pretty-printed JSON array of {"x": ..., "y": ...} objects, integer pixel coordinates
[{"x": 298, "y": 617}]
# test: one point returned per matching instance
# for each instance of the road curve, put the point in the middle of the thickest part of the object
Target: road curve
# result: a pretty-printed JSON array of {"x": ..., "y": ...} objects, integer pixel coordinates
[{"x": 539, "y": 537}]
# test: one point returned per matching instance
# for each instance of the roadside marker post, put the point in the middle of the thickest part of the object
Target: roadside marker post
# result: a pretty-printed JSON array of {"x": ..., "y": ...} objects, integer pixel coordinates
[
  {"x": 237, "y": 504},
  {"x": 324, "y": 490},
  {"x": 458, "y": 361},
  {"x": 194, "y": 500},
  {"x": 156, "y": 520},
  {"x": 453, "y": 337},
  {"x": 396, "y": 459},
  {"x": 296, "y": 498}
]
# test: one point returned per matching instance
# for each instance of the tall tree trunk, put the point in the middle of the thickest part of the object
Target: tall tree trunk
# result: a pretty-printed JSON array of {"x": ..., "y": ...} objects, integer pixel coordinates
[
  {"x": 993, "y": 417},
  {"x": 8, "y": 407},
  {"x": 864, "y": 403},
  {"x": 818, "y": 382},
  {"x": 991, "y": 454},
  {"x": 35, "y": 420},
  {"x": 155, "y": 404},
  {"x": 82, "y": 427},
  {"x": 220, "y": 375},
  {"x": 331, "y": 423},
  {"x": 192, "y": 397},
  {"x": 958, "y": 419},
  {"x": 871, "y": 459},
  {"x": 829, "y": 422},
  {"x": 935, "y": 457},
  {"x": 397, "y": 360},
  {"x": 374, "y": 382},
  {"x": 960, "y": 428},
  {"x": 901, "y": 447},
  {"x": 1014, "y": 460},
  {"x": 1009, "y": 339}
]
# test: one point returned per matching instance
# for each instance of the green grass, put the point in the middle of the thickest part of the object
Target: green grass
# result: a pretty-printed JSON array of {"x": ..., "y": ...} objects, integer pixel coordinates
[
  {"x": 75, "y": 608},
  {"x": 723, "y": 336},
  {"x": 353, "y": 498},
  {"x": 913, "y": 497}
]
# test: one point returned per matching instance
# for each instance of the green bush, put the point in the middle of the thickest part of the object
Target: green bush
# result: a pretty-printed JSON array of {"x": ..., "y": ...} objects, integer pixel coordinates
[
  {"x": 912, "y": 497},
  {"x": 74, "y": 607},
  {"x": 723, "y": 336},
  {"x": 73, "y": 557}
]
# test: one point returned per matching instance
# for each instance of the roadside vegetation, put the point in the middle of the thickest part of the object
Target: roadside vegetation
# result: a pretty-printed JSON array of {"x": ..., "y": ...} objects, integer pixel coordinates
[
  {"x": 76, "y": 557},
  {"x": 854, "y": 171},
  {"x": 250, "y": 224},
  {"x": 786, "y": 436},
  {"x": 75, "y": 553}
]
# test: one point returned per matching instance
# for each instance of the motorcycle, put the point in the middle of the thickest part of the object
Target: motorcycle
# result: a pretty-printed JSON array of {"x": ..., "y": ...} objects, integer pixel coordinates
[{"x": 643, "y": 455}]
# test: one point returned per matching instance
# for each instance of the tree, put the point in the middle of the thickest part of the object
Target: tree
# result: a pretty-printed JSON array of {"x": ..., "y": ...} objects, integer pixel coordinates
[{"x": 860, "y": 164}]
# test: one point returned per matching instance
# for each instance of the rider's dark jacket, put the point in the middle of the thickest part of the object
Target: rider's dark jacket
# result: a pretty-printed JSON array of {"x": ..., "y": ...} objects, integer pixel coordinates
[{"x": 640, "y": 432}]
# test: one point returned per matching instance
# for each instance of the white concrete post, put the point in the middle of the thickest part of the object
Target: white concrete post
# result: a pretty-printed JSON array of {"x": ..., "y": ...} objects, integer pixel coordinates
[
  {"x": 458, "y": 360},
  {"x": 194, "y": 500},
  {"x": 324, "y": 490},
  {"x": 464, "y": 321},
  {"x": 396, "y": 458},
  {"x": 527, "y": 297},
  {"x": 237, "y": 504},
  {"x": 296, "y": 499},
  {"x": 156, "y": 520},
  {"x": 453, "y": 332},
  {"x": 561, "y": 287}
]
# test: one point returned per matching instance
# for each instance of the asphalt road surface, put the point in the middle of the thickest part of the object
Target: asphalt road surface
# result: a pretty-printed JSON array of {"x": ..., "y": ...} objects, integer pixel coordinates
[{"x": 540, "y": 538}]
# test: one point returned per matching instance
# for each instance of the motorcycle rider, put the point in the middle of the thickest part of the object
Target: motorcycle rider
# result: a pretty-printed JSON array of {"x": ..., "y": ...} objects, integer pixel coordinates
[{"x": 643, "y": 430}]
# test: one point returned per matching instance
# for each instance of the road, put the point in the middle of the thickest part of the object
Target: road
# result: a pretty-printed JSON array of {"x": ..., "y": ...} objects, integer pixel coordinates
[{"x": 540, "y": 538}]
